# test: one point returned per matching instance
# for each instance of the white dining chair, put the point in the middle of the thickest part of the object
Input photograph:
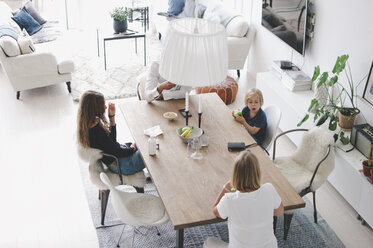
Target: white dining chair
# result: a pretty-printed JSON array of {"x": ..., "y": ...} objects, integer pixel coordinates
[
  {"x": 273, "y": 114},
  {"x": 136, "y": 209},
  {"x": 140, "y": 87},
  {"x": 95, "y": 167}
]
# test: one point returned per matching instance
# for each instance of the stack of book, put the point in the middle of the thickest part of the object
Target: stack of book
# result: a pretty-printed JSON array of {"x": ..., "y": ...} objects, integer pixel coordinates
[{"x": 294, "y": 79}]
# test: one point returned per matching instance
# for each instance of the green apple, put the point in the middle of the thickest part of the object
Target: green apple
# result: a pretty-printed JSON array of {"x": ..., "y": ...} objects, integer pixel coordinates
[{"x": 237, "y": 113}]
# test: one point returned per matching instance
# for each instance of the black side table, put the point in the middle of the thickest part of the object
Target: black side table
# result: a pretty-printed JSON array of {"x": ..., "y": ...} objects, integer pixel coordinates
[
  {"x": 144, "y": 18},
  {"x": 130, "y": 34}
]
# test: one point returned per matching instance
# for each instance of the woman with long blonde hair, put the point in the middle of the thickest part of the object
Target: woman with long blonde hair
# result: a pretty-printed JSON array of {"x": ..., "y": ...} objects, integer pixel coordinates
[
  {"x": 95, "y": 131},
  {"x": 249, "y": 207}
]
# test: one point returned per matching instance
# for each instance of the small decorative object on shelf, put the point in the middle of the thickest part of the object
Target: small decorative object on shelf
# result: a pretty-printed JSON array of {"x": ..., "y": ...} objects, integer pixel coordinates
[
  {"x": 362, "y": 139},
  {"x": 367, "y": 167},
  {"x": 119, "y": 15},
  {"x": 335, "y": 110}
]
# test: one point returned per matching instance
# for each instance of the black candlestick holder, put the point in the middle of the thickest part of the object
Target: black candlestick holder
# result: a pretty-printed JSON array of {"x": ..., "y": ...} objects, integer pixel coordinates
[
  {"x": 199, "y": 119},
  {"x": 186, "y": 117}
]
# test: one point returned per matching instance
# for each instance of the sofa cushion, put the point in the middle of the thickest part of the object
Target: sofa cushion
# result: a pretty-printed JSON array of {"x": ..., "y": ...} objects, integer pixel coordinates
[
  {"x": 66, "y": 66},
  {"x": 6, "y": 30},
  {"x": 30, "y": 8},
  {"x": 25, "y": 20},
  {"x": 189, "y": 7},
  {"x": 9, "y": 46},
  {"x": 175, "y": 7},
  {"x": 25, "y": 45},
  {"x": 237, "y": 27}
]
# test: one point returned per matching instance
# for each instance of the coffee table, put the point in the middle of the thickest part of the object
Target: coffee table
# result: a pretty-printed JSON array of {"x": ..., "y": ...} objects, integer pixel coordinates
[
  {"x": 109, "y": 36},
  {"x": 188, "y": 188}
]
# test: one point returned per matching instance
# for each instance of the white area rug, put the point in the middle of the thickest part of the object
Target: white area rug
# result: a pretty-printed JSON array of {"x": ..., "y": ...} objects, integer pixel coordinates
[{"x": 123, "y": 66}]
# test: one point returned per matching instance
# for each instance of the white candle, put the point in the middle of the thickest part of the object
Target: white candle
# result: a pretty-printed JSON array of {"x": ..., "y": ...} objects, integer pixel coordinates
[
  {"x": 200, "y": 104},
  {"x": 186, "y": 101}
]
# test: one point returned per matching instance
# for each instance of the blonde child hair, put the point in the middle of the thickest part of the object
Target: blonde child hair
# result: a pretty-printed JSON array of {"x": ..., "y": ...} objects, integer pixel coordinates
[
  {"x": 251, "y": 93},
  {"x": 246, "y": 172}
]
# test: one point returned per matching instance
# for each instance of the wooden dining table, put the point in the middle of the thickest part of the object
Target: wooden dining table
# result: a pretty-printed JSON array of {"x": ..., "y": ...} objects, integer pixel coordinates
[{"x": 187, "y": 187}]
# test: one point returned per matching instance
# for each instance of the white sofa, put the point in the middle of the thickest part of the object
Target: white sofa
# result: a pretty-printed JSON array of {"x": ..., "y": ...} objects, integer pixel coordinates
[
  {"x": 37, "y": 69},
  {"x": 240, "y": 35}
]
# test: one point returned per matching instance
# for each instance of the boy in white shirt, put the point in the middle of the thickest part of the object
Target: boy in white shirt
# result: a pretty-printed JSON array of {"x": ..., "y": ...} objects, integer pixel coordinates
[
  {"x": 249, "y": 207},
  {"x": 157, "y": 87}
]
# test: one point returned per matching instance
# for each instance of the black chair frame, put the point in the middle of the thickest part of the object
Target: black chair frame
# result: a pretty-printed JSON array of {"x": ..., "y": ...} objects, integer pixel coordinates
[
  {"x": 103, "y": 195},
  {"x": 305, "y": 191}
]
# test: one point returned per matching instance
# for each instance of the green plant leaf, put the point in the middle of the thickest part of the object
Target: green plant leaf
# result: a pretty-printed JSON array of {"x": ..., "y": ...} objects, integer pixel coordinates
[
  {"x": 333, "y": 80},
  {"x": 332, "y": 124},
  {"x": 344, "y": 139},
  {"x": 323, "y": 79},
  {"x": 303, "y": 120},
  {"x": 316, "y": 73},
  {"x": 335, "y": 136},
  {"x": 314, "y": 102},
  {"x": 322, "y": 119}
]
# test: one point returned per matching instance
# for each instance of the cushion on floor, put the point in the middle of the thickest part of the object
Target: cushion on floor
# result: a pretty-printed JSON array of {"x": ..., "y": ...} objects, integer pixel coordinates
[{"x": 226, "y": 90}]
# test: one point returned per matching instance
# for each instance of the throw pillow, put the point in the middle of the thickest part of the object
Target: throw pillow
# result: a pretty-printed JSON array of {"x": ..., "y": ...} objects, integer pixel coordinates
[
  {"x": 237, "y": 27},
  {"x": 25, "y": 44},
  {"x": 30, "y": 8},
  {"x": 9, "y": 46},
  {"x": 175, "y": 7},
  {"x": 25, "y": 20},
  {"x": 9, "y": 31}
]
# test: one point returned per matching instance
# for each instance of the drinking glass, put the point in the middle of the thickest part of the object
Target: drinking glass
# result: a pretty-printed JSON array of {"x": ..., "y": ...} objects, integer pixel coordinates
[
  {"x": 204, "y": 140},
  {"x": 190, "y": 148},
  {"x": 196, "y": 146}
]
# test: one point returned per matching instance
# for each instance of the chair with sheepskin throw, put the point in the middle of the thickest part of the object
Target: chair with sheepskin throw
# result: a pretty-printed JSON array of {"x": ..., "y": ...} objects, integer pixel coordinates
[
  {"x": 93, "y": 157},
  {"x": 308, "y": 168}
]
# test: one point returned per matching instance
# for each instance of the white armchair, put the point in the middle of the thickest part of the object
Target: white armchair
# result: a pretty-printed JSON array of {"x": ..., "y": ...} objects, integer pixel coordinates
[{"x": 34, "y": 70}]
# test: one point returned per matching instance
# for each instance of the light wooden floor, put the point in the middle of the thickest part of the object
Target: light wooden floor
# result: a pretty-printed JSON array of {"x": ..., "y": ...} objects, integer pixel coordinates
[{"x": 43, "y": 203}]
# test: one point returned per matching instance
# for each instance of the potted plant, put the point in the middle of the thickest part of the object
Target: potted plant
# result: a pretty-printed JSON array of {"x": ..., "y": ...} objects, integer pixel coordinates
[
  {"x": 367, "y": 167},
  {"x": 119, "y": 15},
  {"x": 336, "y": 109}
]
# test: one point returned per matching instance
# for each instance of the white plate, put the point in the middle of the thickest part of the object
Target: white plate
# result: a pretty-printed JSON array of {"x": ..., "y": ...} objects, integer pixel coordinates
[{"x": 170, "y": 115}]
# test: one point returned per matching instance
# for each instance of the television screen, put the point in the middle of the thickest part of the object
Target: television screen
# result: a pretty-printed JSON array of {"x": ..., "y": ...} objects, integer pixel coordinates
[{"x": 287, "y": 20}]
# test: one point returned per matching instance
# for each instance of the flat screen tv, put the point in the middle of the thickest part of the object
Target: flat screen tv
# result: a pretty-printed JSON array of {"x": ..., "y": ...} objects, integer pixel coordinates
[{"x": 287, "y": 20}]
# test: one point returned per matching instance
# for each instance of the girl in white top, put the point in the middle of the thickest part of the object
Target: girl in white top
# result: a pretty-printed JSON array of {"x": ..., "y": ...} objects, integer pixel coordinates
[{"x": 249, "y": 207}]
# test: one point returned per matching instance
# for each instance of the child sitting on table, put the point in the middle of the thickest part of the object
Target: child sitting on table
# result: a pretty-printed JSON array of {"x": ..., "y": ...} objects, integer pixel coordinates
[
  {"x": 249, "y": 207},
  {"x": 253, "y": 117}
]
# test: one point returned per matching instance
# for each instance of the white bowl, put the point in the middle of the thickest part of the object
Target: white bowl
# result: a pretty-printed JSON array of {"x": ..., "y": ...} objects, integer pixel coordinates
[
  {"x": 196, "y": 132},
  {"x": 170, "y": 115}
]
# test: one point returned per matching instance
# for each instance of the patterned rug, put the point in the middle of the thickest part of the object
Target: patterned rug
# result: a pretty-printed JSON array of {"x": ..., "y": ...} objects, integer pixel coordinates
[
  {"x": 123, "y": 66},
  {"x": 303, "y": 232}
]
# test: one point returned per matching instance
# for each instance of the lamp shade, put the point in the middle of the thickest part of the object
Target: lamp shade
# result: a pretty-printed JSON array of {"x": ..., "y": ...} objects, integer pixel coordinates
[{"x": 194, "y": 53}]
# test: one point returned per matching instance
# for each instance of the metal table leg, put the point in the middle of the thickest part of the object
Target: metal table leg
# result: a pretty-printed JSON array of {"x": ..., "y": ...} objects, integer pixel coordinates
[
  {"x": 180, "y": 238},
  {"x": 136, "y": 45},
  {"x": 105, "y": 55},
  {"x": 98, "y": 44},
  {"x": 145, "y": 50}
]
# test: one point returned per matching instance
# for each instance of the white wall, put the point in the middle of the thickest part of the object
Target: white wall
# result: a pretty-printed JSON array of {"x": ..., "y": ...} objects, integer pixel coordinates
[{"x": 342, "y": 27}]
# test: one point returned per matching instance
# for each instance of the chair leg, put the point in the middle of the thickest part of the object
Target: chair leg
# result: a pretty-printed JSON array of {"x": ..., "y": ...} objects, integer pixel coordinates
[
  {"x": 68, "y": 86},
  {"x": 314, "y": 207},
  {"x": 287, "y": 222},
  {"x": 274, "y": 223},
  {"x": 238, "y": 73},
  {"x": 139, "y": 190},
  {"x": 104, "y": 195},
  {"x": 18, "y": 94},
  {"x": 133, "y": 237},
  {"x": 158, "y": 233},
  {"x": 159, "y": 36},
  {"x": 121, "y": 235},
  {"x": 99, "y": 195}
]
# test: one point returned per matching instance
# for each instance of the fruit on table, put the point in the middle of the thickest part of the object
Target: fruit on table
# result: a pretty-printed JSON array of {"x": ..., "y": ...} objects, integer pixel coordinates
[
  {"x": 186, "y": 131},
  {"x": 237, "y": 113}
]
